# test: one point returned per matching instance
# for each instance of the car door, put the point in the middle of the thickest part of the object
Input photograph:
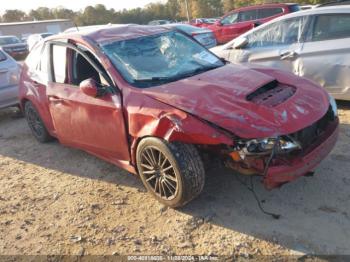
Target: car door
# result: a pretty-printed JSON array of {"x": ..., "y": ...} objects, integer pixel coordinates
[
  {"x": 325, "y": 56},
  {"x": 277, "y": 45},
  {"x": 95, "y": 124},
  {"x": 8, "y": 81},
  {"x": 236, "y": 24},
  {"x": 227, "y": 28}
]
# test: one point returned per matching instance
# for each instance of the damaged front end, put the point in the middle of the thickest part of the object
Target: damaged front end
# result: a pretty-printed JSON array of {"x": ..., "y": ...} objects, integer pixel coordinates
[{"x": 282, "y": 159}]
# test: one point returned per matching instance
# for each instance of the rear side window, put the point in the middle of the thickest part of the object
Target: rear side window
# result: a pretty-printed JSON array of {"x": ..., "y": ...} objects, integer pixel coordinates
[
  {"x": 2, "y": 56},
  {"x": 334, "y": 26},
  {"x": 34, "y": 57},
  {"x": 59, "y": 62},
  {"x": 294, "y": 8},
  {"x": 267, "y": 12},
  {"x": 248, "y": 15},
  {"x": 43, "y": 63}
]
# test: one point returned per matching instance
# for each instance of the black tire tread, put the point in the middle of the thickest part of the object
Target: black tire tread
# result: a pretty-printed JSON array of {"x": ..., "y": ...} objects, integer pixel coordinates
[
  {"x": 189, "y": 164},
  {"x": 192, "y": 169},
  {"x": 46, "y": 137}
]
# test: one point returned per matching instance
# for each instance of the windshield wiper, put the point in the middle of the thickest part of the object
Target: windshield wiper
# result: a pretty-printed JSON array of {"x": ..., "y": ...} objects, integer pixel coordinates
[
  {"x": 154, "y": 79},
  {"x": 157, "y": 79}
]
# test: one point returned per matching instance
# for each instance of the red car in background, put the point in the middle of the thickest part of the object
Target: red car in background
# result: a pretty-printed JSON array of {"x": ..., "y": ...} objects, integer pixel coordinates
[
  {"x": 203, "y": 22},
  {"x": 243, "y": 19}
]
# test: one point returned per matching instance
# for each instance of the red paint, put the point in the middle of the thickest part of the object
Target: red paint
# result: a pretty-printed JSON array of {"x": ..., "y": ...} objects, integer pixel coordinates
[
  {"x": 278, "y": 175},
  {"x": 226, "y": 32},
  {"x": 111, "y": 126}
]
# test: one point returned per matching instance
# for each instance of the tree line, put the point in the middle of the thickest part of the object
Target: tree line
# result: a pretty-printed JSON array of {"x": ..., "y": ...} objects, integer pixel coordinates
[{"x": 171, "y": 9}]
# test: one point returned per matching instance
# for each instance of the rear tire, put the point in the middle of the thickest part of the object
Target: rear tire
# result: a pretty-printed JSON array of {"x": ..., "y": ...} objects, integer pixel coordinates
[
  {"x": 172, "y": 172},
  {"x": 36, "y": 124}
]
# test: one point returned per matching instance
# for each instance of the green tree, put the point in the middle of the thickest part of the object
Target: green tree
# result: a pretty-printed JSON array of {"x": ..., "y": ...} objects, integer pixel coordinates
[
  {"x": 14, "y": 15},
  {"x": 228, "y": 5}
]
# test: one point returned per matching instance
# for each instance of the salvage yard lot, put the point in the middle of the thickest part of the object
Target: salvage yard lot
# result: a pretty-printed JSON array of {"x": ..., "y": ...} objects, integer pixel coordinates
[{"x": 58, "y": 200}]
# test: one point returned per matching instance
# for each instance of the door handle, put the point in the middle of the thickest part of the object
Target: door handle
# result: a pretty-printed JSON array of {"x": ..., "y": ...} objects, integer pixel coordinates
[
  {"x": 288, "y": 55},
  {"x": 36, "y": 83}
]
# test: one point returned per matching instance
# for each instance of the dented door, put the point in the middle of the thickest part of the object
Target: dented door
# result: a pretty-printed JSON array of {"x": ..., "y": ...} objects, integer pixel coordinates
[{"x": 325, "y": 57}]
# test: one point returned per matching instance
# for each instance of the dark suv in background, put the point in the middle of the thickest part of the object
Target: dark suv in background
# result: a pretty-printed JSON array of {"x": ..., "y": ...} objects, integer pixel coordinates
[
  {"x": 14, "y": 47},
  {"x": 243, "y": 19}
]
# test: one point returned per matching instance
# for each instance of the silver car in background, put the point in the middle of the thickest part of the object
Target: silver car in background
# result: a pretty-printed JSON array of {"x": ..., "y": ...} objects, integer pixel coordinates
[
  {"x": 314, "y": 44},
  {"x": 9, "y": 74},
  {"x": 204, "y": 36}
]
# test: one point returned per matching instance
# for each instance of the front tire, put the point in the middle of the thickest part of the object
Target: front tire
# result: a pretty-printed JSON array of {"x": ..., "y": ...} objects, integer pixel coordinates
[
  {"x": 36, "y": 124},
  {"x": 172, "y": 172}
]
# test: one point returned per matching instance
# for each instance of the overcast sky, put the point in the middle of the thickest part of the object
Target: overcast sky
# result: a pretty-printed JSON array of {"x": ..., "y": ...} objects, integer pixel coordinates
[{"x": 26, "y": 5}]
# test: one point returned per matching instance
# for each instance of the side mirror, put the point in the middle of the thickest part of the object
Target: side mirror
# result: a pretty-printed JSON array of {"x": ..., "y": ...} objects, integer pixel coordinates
[
  {"x": 256, "y": 24},
  {"x": 240, "y": 42},
  {"x": 89, "y": 87}
]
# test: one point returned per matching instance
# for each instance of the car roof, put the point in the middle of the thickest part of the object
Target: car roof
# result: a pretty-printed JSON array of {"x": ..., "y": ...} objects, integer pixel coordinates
[
  {"x": 5, "y": 36},
  {"x": 322, "y": 10},
  {"x": 107, "y": 33},
  {"x": 263, "y": 6},
  {"x": 186, "y": 26}
]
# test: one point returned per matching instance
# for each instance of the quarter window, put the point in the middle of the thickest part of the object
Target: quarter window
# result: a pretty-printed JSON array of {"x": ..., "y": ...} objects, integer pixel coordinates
[
  {"x": 333, "y": 26},
  {"x": 33, "y": 57},
  {"x": 59, "y": 56},
  {"x": 42, "y": 66},
  {"x": 267, "y": 12}
]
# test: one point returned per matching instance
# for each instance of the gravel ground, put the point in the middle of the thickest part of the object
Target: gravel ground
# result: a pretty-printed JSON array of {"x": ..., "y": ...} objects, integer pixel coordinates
[{"x": 56, "y": 200}]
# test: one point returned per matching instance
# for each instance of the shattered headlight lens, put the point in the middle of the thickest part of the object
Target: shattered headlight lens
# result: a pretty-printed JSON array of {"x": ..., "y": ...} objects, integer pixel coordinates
[
  {"x": 333, "y": 104},
  {"x": 264, "y": 146}
]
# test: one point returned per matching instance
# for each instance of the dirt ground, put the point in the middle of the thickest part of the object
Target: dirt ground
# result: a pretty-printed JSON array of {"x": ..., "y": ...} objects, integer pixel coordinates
[{"x": 56, "y": 200}]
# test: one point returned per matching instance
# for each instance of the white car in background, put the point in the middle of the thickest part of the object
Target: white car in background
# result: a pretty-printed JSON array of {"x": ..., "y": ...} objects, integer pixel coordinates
[
  {"x": 9, "y": 75},
  {"x": 314, "y": 44},
  {"x": 34, "y": 38}
]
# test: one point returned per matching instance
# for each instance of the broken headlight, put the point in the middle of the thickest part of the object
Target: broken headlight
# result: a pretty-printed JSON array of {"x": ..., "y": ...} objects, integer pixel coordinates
[{"x": 282, "y": 144}]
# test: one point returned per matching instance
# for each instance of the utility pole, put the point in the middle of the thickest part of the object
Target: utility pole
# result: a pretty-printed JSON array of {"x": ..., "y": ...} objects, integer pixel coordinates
[{"x": 187, "y": 11}]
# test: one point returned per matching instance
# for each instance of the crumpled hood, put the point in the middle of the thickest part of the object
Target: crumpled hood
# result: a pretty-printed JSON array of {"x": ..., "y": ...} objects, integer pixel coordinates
[{"x": 219, "y": 96}]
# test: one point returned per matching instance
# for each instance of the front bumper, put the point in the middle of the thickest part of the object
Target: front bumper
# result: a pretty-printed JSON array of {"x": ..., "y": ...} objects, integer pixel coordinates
[{"x": 301, "y": 165}]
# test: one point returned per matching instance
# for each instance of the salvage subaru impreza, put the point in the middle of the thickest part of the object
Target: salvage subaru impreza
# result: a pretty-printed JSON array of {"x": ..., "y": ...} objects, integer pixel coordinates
[{"x": 155, "y": 102}]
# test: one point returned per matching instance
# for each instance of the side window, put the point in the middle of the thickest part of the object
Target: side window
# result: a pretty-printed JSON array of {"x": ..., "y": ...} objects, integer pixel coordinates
[
  {"x": 280, "y": 33},
  {"x": 230, "y": 19},
  {"x": 334, "y": 26},
  {"x": 59, "y": 62},
  {"x": 249, "y": 15},
  {"x": 267, "y": 12},
  {"x": 82, "y": 69}
]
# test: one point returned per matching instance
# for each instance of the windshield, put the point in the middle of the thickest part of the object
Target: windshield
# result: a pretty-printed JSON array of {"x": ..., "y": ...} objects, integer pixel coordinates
[
  {"x": 158, "y": 59},
  {"x": 9, "y": 40}
]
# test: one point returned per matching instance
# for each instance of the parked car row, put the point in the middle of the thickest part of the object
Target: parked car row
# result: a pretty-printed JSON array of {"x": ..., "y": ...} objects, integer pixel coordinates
[
  {"x": 314, "y": 44},
  {"x": 13, "y": 46}
]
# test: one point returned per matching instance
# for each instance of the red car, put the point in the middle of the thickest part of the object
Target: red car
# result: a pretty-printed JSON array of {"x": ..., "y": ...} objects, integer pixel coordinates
[
  {"x": 202, "y": 22},
  {"x": 243, "y": 19},
  {"x": 155, "y": 102}
]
